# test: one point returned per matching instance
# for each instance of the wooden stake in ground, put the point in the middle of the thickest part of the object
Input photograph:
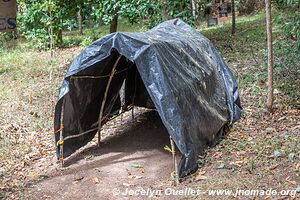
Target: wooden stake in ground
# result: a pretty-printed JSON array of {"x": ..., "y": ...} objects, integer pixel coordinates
[
  {"x": 61, "y": 137},
  {"x": 175, "y": 172},
  {"x": 104, "y": 98},
  {"x": 270, "y": 56}
]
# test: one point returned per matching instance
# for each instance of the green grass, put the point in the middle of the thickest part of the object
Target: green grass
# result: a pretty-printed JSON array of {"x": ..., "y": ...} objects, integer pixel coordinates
[{"x": 245, "y": 53}]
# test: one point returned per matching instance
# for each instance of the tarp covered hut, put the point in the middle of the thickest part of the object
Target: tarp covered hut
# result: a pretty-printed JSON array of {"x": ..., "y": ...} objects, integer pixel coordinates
[{"x": 172, "y": 68}]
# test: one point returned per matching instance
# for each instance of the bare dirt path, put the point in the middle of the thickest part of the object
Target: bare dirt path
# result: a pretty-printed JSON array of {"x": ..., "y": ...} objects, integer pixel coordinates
[{"x": 133, "y": 158}]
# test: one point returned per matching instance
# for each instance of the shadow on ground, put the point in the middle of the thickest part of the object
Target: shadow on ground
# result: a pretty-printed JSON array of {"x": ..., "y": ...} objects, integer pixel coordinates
[{"x": 133, "y": 156}]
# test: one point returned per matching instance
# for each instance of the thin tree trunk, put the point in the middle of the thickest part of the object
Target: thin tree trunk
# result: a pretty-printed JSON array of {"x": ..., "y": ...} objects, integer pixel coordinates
[
  {"x": 194, "y": 11},
  {"x": 59, "y": 37},
  {"x": 114, "y": 24},
  {"x": 51, "y": 34},
  {"x": 79, "y": 15},
  {"x": 270, "y": 56},
  {"x": 233, "y": 17}
]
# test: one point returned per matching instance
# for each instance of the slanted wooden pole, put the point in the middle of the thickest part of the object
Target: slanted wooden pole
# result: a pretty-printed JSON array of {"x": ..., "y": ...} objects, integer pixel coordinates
[
  {"x": 61, "y": 150},
  {"x": 61, "y": 136},
  {"x": 175, "y": 172},
  {"x": 104, "y": 98}
]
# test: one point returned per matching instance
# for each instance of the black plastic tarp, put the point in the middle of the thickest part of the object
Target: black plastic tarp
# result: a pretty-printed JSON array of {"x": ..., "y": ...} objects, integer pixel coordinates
[{"x": 172, "y": 68}]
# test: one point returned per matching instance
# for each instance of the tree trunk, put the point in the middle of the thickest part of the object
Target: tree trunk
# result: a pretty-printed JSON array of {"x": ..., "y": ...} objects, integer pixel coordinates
[
  {"x": 114, "y": 24},
  {"x": 79, "y": 16},
  {"x": 59, "y": 38},
  {"x": 51, "y": 34},
  {"x": 194, "y": 9},
  {"x": 233, "y": 17},
  {"x": 270, "y": 56}
]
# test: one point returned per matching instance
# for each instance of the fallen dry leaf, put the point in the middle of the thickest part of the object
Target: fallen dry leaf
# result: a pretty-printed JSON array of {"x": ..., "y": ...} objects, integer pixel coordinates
[
  {"x": 240, "y": 163},
  {"x": 217, "y": 155},
  {"x": 2, "y": 186},
  {"x": 134, "y": 177},
  {"x": 201, "y": 177},
  {"x": 272, "y": 167},
  {"x": 292, "y": 182},
  {"x": 95, "y": 180},
  {"x": 201, "y": 172},
  {"x": 298, "y": 166}
]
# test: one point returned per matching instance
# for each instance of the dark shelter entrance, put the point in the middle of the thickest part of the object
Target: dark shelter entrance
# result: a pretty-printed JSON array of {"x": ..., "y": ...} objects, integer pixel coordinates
[{"x": 171, "y": 68}]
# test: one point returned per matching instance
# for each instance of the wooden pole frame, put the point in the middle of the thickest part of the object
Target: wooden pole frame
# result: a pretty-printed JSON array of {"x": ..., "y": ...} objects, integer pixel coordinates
[
  {"x": 104, "y": 98},
  {"x": 175, "y": 172},
  {"x": 61, "y": 137}
]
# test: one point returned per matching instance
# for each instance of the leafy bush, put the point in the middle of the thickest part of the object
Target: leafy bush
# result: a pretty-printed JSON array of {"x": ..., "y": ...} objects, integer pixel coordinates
[
  {"x": 287, "y": 49},
  {"x": 39, "y": 20},
  {"x": 4, "y": 37},
  {"x": 86, "y": 41},
  {"x": 71, "y": 41}
]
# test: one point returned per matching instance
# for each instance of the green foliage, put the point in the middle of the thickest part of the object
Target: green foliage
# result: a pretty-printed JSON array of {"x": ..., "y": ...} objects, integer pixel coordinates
[
  {"x": 38, "y": 20},
  {"x": 86, "y": 41},
  {"x": 4, "y": 37},
  {"x": 71, "y": 41},
  {"x": 43, "y": 22},
  {"x": 180, "y": 9},
  {"x": 170, "y": 9},
  {"x": 285, "y": 3},
  {"x": 130, "y": 9},
  {"x": 70, "y": 24}
]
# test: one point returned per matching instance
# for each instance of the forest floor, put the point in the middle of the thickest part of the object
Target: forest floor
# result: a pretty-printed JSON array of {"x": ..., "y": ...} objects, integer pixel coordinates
[{"x": 260, "y": 152}]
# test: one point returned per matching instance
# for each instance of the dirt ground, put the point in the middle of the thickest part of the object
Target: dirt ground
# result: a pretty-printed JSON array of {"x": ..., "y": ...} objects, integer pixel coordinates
[{"x": 131, "y": 156}]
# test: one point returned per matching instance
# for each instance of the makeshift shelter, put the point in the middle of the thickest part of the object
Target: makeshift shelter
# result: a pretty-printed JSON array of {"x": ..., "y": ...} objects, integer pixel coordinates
[{"x": 172, "y": 68}]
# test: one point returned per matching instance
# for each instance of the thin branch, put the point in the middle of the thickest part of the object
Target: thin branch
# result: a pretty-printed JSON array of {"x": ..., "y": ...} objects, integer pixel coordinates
[
  {"x": 98, "y": 77},
  {"x": 105, "y": 96}
]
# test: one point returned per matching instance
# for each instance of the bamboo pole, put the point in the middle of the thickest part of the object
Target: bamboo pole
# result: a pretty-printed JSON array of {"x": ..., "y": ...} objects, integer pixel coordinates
[
  {"x": 104, "y": 98},
  {"x": 175, "y": 172}
]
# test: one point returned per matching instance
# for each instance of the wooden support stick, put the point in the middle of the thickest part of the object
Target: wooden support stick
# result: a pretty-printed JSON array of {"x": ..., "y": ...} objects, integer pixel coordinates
[
  {"x": 61, "y": 136},
  {"x": 61, "y": 159},
  {"x": 132, "y": 112},
  {"x": 104, "y": 98},
  {"x": 175, "y": 172}
]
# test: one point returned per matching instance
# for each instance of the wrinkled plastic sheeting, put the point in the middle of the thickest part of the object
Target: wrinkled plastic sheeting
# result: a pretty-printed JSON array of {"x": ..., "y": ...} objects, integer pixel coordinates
[{"x": 189, "y": 83}]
